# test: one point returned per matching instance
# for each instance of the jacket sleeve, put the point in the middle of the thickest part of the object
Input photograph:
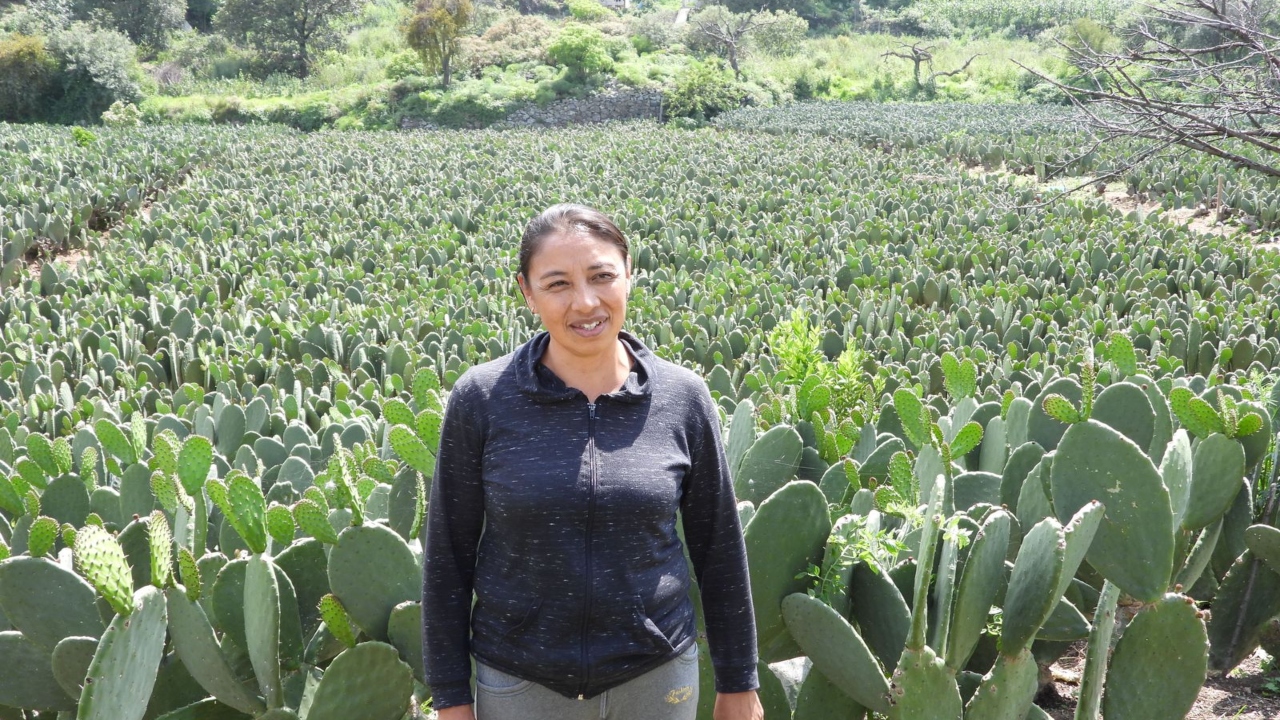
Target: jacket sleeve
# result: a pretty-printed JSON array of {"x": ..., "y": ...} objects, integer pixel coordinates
[
  {"x": 455, "y": 517},
  {"x": 714, "y": 538}
]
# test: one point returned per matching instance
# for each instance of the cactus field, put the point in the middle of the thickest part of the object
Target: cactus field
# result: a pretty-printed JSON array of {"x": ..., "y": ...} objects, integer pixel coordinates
[{"x": 969, "y": 430}]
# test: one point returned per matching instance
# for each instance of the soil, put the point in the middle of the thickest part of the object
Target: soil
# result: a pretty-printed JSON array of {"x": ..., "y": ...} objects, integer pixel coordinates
[{"x": 1241, "y": 695}]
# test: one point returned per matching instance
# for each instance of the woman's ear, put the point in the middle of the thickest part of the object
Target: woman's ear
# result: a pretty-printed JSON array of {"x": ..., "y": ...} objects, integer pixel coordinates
[{"x": 524, "y": 290}]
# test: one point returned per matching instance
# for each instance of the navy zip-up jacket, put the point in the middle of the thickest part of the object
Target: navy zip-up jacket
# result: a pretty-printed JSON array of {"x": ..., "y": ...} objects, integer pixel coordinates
[{"x": 560, "y": 516}]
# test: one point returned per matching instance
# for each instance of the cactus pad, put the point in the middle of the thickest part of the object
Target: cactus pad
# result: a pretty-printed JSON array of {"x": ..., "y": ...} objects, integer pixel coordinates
[
  {"x": 123, "y": 672},
  {"x": 820, "y": 699},
  {"x": 1264, "y": 541},
  {"x": 314, "y": 521},
  {"x": 1060, "y": 409},
  {"x": 412, "y": 450},
  {"x": 372, "y": 570},
  {"x": 1197, "y": 416},
  {"x": 41, "y": 536},
  {"x": 1133, "y": 547},
  {"x": 197, "y": 648},
  {"x": 923, "y": 688},
  {"x": 969, "y": 437},
  {"x": 427, "y": 425},
  {"x": 980, "y": 581},
  {"x": 194, "y": 461},
  {"x": 115, "y": 441},
  {"x": 915, "y": 419},
  {"x": 1216, "y": 477},
  {"x": 368, "y": 681},
  {"x": 786, "y": 535},
  {"x": 1006, "y": 691},
  {"x": 101, "y": 560},
  {"x": 396, "y": 412},
  {"x": 161, "y": 538},
  {"x": 771, "y": 461},
  {"x": 26, "y": 676},
  {"x": 337, "y": 620},
  {"x": 62, "y": 456},
  {"x": 47, "y": 602},
  {"x": 71, "y": 659},
  {"x": 280, "y": 524},
  {"x": 164, "y": 453},
  {"x": 1033, "y": 585},
  {"x": 189, "y": 572},
  {"x": 1158, "y": 666},
  {"x": 262, "y": 627},
  {"x": 40, "y": 450},
  {"x": 1120, "y": 352},
  {"x": 836, "y": 650}
]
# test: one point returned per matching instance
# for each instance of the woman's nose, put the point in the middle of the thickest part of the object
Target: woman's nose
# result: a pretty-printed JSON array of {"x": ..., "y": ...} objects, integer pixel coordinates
[{"x": 585, "y": 297}]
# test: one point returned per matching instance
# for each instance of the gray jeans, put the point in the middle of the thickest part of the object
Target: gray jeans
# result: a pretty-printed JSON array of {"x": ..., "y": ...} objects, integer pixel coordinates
[{"x": 667, "y": 692}]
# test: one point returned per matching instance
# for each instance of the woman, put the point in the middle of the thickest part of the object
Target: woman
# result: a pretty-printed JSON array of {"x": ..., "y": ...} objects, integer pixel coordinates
[{"x": 573, "y": 455}]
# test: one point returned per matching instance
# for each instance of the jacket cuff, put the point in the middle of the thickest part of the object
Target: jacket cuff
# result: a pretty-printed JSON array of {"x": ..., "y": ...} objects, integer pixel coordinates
[
  {"x": 736, "y": 679},
  {"x": 447, "y": 695}
]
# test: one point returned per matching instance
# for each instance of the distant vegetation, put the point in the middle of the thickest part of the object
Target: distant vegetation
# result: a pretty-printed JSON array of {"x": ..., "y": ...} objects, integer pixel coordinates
[{"x": 368, "y": 64}]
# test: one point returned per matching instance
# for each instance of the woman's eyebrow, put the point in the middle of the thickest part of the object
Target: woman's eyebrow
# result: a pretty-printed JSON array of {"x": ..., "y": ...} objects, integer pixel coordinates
[{"x": 596, "y": 266}]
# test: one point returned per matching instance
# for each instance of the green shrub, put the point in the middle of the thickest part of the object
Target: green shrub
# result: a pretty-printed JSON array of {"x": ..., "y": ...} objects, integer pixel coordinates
[
  {"x": 653, "y": 31},
  {"x": 82, "y": 137},
  {"x": 99, "y": 67},
  {"x": 36, "y": 17},
  {"x": 122, "y": 114},
  {"x": 587, "y": 10},
  {"x": 514, "y": 39},
  {"x": 782, "y": 36},
  {"x": 581, "y": 49},
  {"x": 469, "y": 106},
  {"x": 703, "y": 90},
  {"x": 27, "y": 72},
  {"x": 227, "y": 110},
  {"x": 205, "y": 55},
  {"x": 403, "y": 65},
  {"x": 307, "y": 115}
]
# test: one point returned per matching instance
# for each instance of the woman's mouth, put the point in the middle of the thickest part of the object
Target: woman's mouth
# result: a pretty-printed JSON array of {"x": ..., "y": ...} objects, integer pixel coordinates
[{"x": 589, "y": 329}]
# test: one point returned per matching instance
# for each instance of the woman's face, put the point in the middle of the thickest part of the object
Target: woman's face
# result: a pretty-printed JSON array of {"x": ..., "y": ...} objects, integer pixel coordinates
[{"x": 578, "y": 285}]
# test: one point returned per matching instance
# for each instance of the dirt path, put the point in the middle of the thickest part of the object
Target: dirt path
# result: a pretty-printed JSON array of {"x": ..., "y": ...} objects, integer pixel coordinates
[{"x": 1245, "y": 694}]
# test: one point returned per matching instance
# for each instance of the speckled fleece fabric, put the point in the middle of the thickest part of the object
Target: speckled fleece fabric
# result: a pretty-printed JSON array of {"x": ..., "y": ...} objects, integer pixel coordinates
[{"x": 560, "y": 516}]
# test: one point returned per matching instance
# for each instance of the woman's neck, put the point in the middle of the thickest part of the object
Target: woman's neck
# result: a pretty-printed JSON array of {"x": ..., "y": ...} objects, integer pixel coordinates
[{"x": 594, "y": 375}]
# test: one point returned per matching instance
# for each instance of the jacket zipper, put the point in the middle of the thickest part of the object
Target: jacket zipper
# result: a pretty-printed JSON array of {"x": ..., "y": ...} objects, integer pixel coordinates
[{"x": 591, "y": 506}]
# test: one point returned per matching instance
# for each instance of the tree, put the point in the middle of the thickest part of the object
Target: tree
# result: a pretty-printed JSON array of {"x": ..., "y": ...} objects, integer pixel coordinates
[
  {"x": 732, "y": 35},
  {"x": 819, "y": 13},
  {"x": 288, "y": 34},
  {"x": 435, "y": 31},
  {"x": 922, "y": 55},
  {"x": 1200, "y": 74},
  {"x": 581, "y": 49},
  {"x": 27, "y": 72},
  {"x": 145, "y": 22}
]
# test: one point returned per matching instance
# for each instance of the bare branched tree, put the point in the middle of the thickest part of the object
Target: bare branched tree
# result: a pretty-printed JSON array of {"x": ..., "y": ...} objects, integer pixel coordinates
[
  {"x": 922, "y": 55},
  {"x": 1201, "y": 74},
  {"x": 729, "y": 32}
]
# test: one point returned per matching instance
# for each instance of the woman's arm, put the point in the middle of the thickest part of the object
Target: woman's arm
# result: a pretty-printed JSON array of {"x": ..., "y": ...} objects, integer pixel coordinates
[
  {"x": 455, "y": 516},
  {"x": 714, "y": 538}
]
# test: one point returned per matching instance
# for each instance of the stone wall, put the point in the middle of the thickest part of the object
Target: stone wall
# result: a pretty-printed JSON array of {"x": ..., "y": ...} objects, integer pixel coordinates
[{"x": 614, "y": 102}]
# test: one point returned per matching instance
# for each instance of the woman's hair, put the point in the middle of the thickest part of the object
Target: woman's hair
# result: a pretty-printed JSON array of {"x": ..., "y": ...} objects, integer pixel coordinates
[{"x": 569, "y": 218}]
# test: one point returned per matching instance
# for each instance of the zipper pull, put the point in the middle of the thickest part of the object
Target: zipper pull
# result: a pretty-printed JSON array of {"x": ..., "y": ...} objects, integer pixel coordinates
[{"x": 591, "y": 410}]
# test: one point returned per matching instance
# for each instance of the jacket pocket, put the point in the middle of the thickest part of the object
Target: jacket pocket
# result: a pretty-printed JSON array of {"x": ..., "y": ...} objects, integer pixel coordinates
[
  {"x": 646, "y": 629},
  {"x": 521, "y": 623}
]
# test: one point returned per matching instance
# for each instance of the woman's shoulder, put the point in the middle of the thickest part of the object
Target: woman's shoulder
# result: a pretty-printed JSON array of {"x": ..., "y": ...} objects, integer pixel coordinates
[{"x": 677, "y": 382}]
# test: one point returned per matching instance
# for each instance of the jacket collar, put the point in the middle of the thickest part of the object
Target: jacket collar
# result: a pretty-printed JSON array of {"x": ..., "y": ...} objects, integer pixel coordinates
[{"x": 539, "y": 383}]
